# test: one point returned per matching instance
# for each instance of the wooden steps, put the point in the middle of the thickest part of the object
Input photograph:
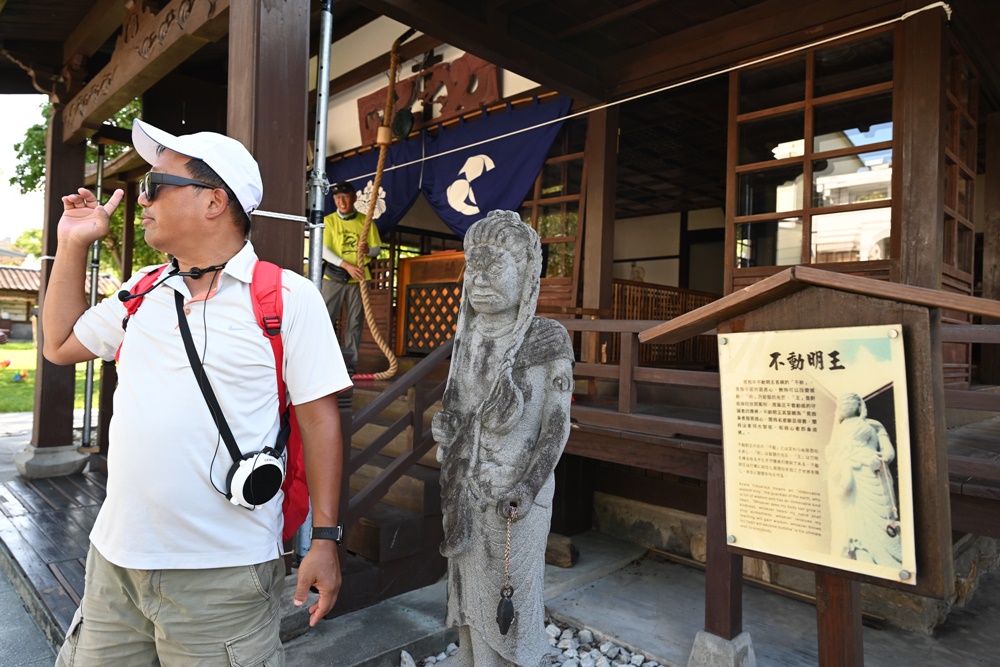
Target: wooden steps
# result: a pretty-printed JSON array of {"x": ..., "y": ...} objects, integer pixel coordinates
[{"x": 393, "y": 549}]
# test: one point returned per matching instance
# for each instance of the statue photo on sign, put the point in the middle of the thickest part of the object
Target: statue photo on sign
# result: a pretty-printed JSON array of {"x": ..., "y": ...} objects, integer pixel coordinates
[
  {"x": 863, "y": 509},
  {"x": 502, "y": 429}
]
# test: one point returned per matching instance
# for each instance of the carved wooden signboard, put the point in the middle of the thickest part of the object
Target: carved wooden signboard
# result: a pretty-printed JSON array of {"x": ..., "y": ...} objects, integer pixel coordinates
[
  {"x": 817, "y": 447},
  {"x": 463, "y": 85}
]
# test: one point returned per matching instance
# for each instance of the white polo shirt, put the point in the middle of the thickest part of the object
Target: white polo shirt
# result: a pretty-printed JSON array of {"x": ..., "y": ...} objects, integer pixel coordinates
[{"x": 167, "y": 465}]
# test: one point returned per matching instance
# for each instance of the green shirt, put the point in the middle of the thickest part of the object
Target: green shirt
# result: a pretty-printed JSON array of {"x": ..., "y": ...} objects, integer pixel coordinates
[{"x": 341, "y": 236}]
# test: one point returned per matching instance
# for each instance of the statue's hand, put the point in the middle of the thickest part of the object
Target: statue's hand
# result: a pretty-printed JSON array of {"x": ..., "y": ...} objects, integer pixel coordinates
[
  {"x": 444, "y": 428},
  {"x": 517, "y": 498}
]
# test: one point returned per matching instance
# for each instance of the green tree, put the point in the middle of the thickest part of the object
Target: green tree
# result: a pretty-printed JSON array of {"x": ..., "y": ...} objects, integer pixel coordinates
[
  {"x": 30, "y": 242},
  {"x": 29, "y": 176}
]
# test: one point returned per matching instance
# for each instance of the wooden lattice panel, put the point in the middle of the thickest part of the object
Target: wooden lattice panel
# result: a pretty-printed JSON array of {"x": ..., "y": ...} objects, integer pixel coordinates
[
  {"x": 645, "y": 301},
  {"x": 431, "y": 315}
]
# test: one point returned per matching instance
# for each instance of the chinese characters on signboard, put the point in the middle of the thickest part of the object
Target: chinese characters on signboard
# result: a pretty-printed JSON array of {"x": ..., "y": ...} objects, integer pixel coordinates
[{"x": 816, "y": 444}]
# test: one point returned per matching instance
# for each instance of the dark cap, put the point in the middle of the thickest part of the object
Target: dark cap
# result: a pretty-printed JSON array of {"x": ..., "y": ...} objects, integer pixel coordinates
[{"x": 342, "y": 187}]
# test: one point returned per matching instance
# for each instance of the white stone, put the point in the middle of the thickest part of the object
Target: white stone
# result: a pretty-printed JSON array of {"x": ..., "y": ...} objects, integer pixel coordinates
[
  {"x": 602, "y": 662},
  {"x": 552, "y": 630},
  {"x": 571, "y": 653},
  {"x": 605, "y": 647},
  {"x": 406, "y": 660},
  {"x": 637, "y": 659},
  {"x": 451, "y": 649},
  {"x": 572, "y": 662},
  {"x": 568, "y": 643},
  {"x": 441, "y": 656},
  {"x": 552, "y": 641},
  {"x": 586, "y": 637},
  {"x": 594, "y": 653},
  {"x": 587, "y": 661},
  {"x": 650, "y": 663},
  {"x": 567, "y": 634},
  {"x": 612, "y": 651},
  {"x": 430, "y": 660}
]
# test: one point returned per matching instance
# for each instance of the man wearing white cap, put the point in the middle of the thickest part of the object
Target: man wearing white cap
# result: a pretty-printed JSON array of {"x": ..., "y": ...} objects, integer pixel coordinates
[{"x": 176, "y": 573}]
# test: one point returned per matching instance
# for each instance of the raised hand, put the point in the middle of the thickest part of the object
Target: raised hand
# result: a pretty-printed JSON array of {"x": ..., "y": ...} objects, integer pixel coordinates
[{"x": 83, "y": 221}]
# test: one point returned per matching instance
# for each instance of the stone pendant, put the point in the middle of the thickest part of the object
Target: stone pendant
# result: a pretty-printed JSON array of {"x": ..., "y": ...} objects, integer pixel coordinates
[{"x": 505, "y": 610}]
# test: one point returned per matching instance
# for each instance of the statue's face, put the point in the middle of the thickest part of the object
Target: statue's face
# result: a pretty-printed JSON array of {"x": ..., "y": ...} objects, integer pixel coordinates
[{"x": 492, "y": 280}]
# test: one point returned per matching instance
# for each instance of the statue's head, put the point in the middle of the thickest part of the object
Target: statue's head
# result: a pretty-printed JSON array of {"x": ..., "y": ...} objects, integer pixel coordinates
[
  {"x": 503, "y": 262},
  {"x": 850, "y": 405}
]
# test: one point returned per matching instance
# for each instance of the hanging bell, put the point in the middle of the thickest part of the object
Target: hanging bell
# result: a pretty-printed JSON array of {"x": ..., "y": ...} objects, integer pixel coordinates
[{"x": 505, "y": 609}]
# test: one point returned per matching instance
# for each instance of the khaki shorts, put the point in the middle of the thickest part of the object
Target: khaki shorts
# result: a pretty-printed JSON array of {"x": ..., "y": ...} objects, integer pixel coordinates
[{"x": 222, "y": 616}]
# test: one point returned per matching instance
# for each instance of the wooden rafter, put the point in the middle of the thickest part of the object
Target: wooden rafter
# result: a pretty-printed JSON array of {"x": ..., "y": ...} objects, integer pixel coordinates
[
  {"x": 100, "y": 23},
  {"x": 605, "y": 19},
  {"x": 492, "y": 42}
]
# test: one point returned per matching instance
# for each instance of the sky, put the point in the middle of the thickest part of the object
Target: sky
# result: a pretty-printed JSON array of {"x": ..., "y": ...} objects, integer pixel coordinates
[{"x": 20, "y": 212}]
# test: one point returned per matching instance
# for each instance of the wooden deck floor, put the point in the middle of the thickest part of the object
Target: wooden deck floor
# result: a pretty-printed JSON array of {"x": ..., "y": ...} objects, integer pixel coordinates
[{"x": 44, "y": 530}]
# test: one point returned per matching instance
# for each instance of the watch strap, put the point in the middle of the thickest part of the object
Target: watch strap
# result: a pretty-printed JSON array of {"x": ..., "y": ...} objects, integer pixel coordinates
[{"x": 335, "y": 533}]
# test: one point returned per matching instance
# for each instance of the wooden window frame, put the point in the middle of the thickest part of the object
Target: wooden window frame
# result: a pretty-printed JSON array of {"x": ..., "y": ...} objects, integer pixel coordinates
[{"x": 808, "y": 210}]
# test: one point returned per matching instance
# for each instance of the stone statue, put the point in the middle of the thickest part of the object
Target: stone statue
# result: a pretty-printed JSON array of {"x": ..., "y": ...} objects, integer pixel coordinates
[
  {"x": 863, "y": 510},
  {"x": 504, "y": 423}
]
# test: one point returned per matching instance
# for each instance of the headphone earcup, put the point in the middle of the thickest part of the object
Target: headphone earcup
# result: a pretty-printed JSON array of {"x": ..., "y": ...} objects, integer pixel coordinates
[{"x": 255, "y": 479}]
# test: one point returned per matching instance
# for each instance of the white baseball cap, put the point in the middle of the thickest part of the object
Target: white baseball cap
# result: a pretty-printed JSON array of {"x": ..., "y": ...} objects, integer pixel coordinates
[{"x": 226, "y": 156}]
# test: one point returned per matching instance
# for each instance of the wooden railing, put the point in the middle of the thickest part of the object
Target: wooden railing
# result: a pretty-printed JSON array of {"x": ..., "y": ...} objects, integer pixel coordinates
[{"x": 424, "y": 397}]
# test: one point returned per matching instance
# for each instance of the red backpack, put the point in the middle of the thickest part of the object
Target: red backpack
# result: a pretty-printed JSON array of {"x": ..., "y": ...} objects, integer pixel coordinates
[{"x": 267, "y": 308}]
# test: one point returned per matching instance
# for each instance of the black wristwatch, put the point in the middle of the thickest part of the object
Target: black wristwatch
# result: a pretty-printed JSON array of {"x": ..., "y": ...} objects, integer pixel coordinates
[{"x": 336, "y": 533}]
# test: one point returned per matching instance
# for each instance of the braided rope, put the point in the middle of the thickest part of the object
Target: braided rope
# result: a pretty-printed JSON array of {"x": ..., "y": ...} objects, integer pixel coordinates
[{"x": 384, "y": 139}]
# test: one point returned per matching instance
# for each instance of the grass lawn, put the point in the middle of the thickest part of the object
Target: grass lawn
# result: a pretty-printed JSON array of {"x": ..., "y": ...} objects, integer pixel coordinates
[{"x": 20, "y": 396}]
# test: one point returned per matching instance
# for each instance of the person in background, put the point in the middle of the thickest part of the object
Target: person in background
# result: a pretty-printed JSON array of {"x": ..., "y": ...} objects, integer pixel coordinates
[{"x": 341, "y": 273}]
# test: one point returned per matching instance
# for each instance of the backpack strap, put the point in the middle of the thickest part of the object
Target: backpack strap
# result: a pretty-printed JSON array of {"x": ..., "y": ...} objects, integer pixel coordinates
[
  {"x": 132, "y": 305},
  {"x": 267, "y": 308}
]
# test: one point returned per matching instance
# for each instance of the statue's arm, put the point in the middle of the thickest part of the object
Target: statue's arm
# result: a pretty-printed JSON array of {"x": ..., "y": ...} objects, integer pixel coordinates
[
  {"x": 557, "y": 390},
  {"x": 886, "y": 451}
]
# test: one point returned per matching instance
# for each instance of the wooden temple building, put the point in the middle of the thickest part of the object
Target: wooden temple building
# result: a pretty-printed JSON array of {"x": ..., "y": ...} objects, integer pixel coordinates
[{"x": 710, "y": 154}]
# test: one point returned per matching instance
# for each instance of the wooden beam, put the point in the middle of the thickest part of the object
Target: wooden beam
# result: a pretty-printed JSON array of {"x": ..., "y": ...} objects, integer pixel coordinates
[
  {"x": 605, "y": 19},
  {"x": 494, "y": 44},
  {"x": 796, "y": 278},
  {"x": 758, "y": 30},
  {"x": 266, "y": 110},
  {"x": 159, "y": 43},
  {"x": 921, "y": 156},
  {"x": 104, "y": 17}
]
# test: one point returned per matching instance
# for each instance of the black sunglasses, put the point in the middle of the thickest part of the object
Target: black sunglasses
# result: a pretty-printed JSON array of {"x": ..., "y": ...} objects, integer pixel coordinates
[{"x": 149, "y": 182}]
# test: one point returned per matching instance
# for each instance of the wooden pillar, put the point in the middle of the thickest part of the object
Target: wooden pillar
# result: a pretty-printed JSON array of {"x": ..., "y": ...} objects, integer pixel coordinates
[
  {"x": 990, "y": 358},
  {"x": 838, "y": 613},
  {"x": 599, "y": 221},
  {"x": 55, "y": 386},
  {"x": 267, "y": 100},
  {"x": 921, "y": 99},
  {"x": 723, "y": 570},
  {"x": 599, "y": 218}
]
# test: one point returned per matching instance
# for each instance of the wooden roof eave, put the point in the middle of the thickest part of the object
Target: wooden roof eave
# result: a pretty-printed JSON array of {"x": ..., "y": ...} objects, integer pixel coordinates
[
  {"x": 125, "y": 168},
  {"x": 797, "y": 278}
]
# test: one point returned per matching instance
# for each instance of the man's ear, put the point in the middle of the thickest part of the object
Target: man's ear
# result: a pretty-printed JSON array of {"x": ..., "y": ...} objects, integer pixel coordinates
[{"x": 216, "y": 204}]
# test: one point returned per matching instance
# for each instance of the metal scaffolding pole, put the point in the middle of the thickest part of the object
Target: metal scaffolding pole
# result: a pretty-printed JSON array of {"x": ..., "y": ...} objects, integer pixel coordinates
[
  {"x": 318, "y": 186},
  {"x": 95, "y": 266}
]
